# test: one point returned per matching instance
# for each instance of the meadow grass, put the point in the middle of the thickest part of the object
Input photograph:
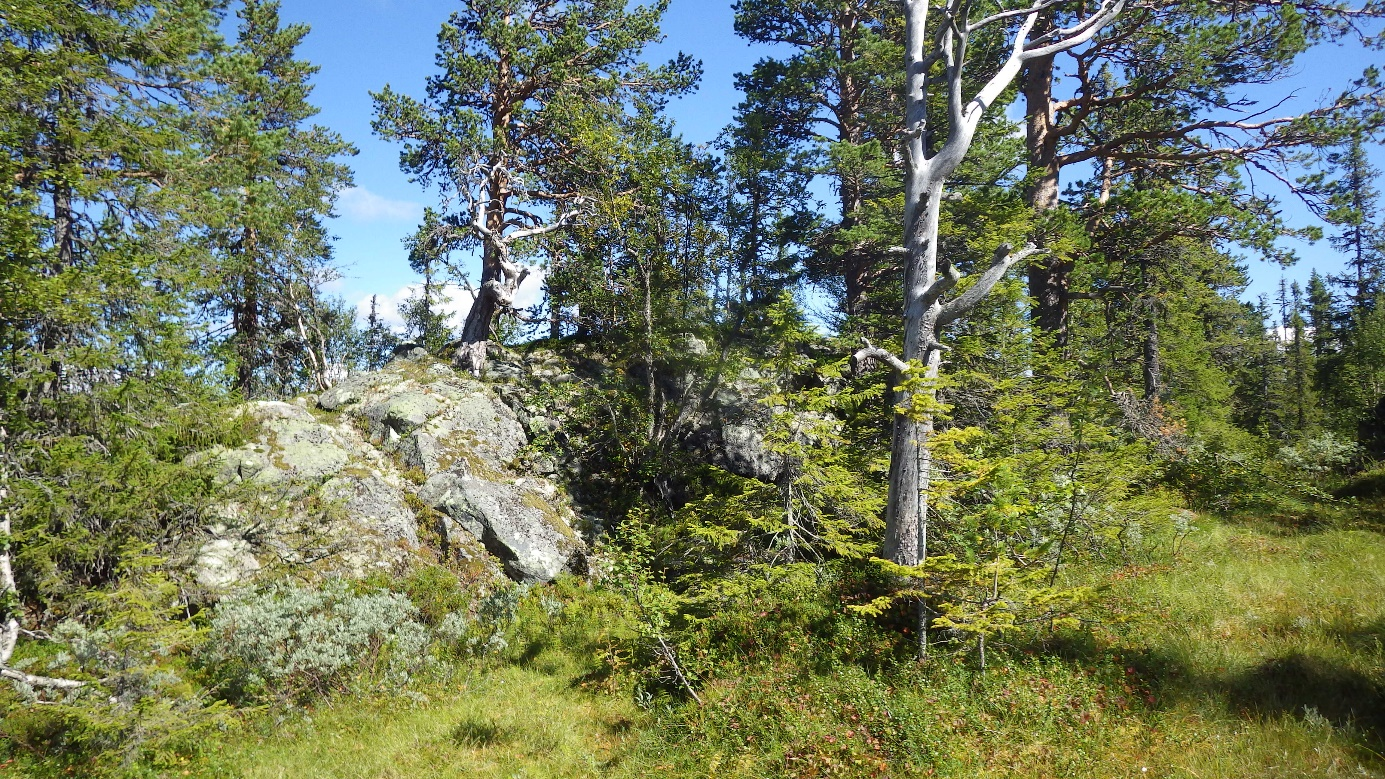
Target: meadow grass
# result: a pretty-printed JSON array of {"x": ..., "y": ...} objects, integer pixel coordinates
[
  {"x": 1257, "y": 653},
  {"x": 509, "y": 721}
]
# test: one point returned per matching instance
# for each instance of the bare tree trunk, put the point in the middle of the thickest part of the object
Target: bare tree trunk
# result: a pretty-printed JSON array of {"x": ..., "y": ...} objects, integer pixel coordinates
[
  {"x": 906, "y": 513},
  {"x": 1151, "y": 365},
  {"x": 496, "y": 288},
  {"x": 925, "y": 283},
  {"x": 1153, "y": 370},
  {"x": 476, "y": 333}
]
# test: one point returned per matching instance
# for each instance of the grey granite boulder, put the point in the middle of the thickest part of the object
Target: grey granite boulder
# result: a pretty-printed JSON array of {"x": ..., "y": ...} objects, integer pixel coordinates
[
  {"x": 514, "y": 521},
  {"x": 291, "y": 446},
  {"x": 224, "y": 562},
  {"x": 376, "y": 505},
  {"x": 743, "y": 450}
]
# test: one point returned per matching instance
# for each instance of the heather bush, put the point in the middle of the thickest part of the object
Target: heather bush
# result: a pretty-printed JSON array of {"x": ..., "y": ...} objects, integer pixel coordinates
[
  {"x": 295, "y": 642},
  {"x": 482, "y": 629}
]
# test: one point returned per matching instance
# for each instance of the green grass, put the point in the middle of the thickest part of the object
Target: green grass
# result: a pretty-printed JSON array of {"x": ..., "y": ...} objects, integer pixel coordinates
[
  {"x": 1256, "y": 654},
  {"x": 1271, "y": 646},
  {"x": 515, "y": 721}
]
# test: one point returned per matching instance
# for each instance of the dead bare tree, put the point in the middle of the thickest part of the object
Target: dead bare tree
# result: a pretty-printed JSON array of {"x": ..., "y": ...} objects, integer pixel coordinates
[{"x": 936, "y": 60}]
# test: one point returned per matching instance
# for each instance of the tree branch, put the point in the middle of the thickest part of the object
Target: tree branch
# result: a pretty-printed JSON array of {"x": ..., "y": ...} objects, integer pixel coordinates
[
  {"x": 865, "y": 358},
  {"x": 1004, "y": 259}
]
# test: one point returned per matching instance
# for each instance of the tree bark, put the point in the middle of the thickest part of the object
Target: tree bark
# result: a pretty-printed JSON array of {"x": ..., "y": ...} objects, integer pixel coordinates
[{"x": 1048, "y": 276}]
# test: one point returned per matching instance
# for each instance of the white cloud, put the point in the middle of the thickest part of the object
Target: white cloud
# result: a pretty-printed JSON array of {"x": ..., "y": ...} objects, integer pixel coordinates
[
  {"x": 361, "y": 204},
  {"x": 387, "y": 306},
  {"x": 530, "y": 293}
]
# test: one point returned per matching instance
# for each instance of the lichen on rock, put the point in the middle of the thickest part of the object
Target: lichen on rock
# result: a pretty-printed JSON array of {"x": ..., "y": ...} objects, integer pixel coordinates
[{"x": 331, "y": 489}]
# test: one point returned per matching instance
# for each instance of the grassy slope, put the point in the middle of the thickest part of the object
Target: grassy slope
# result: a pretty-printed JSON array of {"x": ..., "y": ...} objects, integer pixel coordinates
[
  {"x": 1258, "y": 655},
  {"x": 528, "y": 721}
]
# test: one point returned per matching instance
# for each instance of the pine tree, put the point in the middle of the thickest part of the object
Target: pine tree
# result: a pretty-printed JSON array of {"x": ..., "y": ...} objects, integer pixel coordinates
[
  {"x": 1153, "y": 92},
  {"x": 528, "y": 92}
]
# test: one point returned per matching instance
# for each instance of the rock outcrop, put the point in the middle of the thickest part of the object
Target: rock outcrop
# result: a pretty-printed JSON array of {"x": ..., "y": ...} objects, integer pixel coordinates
[{"x": 347, "y": 480}]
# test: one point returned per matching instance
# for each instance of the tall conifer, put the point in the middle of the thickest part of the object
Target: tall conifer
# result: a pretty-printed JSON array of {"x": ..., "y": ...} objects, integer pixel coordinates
[{"x": 271, "y": 182}]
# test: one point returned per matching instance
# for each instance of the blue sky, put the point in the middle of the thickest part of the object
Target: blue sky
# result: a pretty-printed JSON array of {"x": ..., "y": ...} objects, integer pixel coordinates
[{"x": 361, "y": 45}]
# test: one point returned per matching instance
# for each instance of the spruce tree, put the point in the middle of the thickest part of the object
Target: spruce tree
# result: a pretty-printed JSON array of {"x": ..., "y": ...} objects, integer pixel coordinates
[
  {"x": 1350, "y": 202},
  {"x": 271, "y": 181},
  {"x": 99, "y": 370},
  {"x": 766, "y": 216},
  {"x": 1324, "y": 318},
  {"x": 94, "y": 107},
  {"x": 378, "y": 340}
]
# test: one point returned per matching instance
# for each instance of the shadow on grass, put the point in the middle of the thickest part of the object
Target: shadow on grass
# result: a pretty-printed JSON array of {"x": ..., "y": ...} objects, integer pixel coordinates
[
  {"x": 1306, "y": 687},
  {"x": 479, "y": 733},
  {"x": 1298, "y": 685},
  {"x": 1365, "y": 639}
]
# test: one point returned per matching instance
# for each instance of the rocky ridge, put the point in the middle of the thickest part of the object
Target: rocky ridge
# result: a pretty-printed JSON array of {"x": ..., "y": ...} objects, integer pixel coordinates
[
  {"x": 419, "y": 459},
  {"x": 347, "y": 480}
]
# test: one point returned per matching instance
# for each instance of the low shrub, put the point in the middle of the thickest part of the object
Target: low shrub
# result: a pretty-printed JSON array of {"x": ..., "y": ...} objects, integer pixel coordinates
[{"x": 294, "y": 642}]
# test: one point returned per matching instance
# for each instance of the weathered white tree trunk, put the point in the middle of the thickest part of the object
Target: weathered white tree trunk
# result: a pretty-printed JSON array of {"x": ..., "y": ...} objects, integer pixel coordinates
[
  {"x": 926, "y": 284},
  {"x": 9, "y": 620},
  {"x": 501, "y": 274}
]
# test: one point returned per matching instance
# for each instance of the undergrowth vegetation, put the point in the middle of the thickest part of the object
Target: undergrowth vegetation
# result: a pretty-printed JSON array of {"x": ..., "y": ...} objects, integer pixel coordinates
[{"x": 1256, "y": 652}]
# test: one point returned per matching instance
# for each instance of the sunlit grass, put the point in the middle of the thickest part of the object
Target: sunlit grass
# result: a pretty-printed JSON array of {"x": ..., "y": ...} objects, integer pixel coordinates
[
  {"x": 1256, "y": 654},
  {"x": 513, "y": 721}
]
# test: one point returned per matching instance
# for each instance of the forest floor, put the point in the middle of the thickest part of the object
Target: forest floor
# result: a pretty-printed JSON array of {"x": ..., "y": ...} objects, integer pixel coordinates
[{"x": 1256, "y": 653}]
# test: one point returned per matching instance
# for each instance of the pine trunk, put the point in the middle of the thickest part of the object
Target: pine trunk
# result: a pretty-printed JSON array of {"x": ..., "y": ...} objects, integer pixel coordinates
[{"x": 1048, "y": 276}]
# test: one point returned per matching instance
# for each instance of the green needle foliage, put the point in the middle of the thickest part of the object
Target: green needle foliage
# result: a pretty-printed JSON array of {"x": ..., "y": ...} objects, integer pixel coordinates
[
  {"x": 513, "y": 131},
  {"x": 271, "y": 181}
]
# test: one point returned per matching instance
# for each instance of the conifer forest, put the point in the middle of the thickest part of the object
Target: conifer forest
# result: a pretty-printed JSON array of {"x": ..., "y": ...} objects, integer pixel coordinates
[{"x": 1001, "y": 393}]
